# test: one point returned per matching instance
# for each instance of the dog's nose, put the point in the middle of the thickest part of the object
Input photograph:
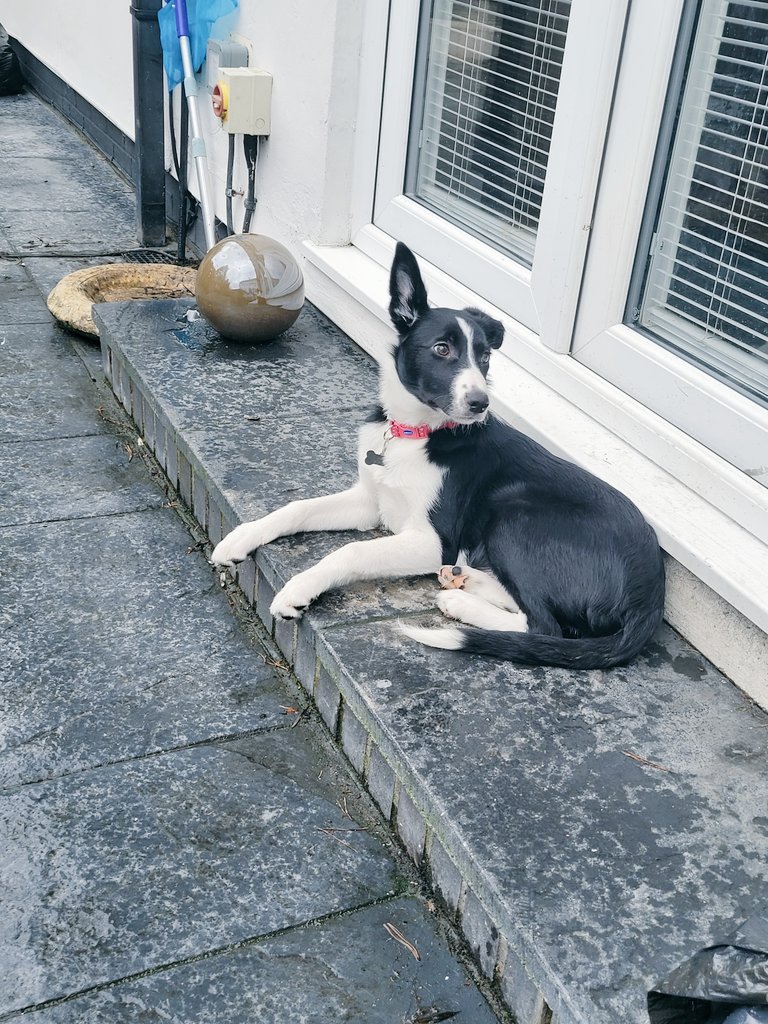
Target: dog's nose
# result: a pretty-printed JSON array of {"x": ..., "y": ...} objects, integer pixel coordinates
[{"x": 477, "y": 402}]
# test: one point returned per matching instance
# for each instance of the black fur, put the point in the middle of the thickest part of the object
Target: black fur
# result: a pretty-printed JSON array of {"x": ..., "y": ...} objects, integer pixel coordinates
[{"x": 575, "y": 553}]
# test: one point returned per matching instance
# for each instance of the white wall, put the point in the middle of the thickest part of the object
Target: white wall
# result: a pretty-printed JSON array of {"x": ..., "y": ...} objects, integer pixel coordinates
[
  {"x": 87, "y": 43},
  {"x": 312, "y": 49},
  {"x": 305, "y": 167}
]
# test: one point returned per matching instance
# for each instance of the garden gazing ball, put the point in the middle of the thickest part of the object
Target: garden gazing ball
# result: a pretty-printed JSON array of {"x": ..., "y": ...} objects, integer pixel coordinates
[{"x": 249, "y": 288}]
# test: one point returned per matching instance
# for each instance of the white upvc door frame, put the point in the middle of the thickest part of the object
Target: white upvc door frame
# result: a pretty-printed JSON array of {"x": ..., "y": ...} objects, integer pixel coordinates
[
  {"x": 719, "y": 417},
  {"x": 543, "y": 297}
]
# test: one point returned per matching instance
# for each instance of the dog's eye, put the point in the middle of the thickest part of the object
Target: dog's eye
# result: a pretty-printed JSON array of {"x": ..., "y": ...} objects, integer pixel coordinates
[
  {"x": 485, "y": 358},
  {"x": 441, "y": 349}
]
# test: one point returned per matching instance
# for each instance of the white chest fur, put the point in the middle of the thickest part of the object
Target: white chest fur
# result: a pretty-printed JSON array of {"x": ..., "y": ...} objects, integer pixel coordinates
[{"x": 406, "y": 486}]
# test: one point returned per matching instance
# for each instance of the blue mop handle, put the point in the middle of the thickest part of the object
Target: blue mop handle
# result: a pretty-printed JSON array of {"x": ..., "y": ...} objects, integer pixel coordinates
[{"x": 182, "y": 23}]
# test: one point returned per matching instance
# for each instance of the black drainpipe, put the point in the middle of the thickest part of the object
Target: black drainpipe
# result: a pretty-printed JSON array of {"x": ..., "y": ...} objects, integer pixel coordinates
[{"x": 148, "y": 106}]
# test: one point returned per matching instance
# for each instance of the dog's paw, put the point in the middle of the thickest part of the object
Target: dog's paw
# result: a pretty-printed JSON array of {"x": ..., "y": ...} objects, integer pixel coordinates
[
  {"x": 451, "y": 603},
  {"x": 238, "y": 544},
  {"x": 452, "y": 577},
  {"x": 293, "y": 600}
]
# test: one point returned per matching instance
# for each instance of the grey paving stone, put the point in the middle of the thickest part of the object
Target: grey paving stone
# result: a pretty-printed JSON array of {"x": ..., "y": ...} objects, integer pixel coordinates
[
  {"x": 29, "y": 127},
  {"x": 242, "y": 462},
  {"x": 381, "y": 782},
  {"x": 327, "y": 700},
  {"x": 140, "y": 651},
  {"x": 445, "y": 876},
  {"x": 305, "y": 369},
  {"x": 482, "y": 934},
  {"x": 122, "y": 869},
  {"x": 606, "y": 869},
  {"x": 45, "y": 391},
  {"x": 410, "y": 827},
  {"x": 70, "y": 232},
  {"x": 354, "y": 741},
  {"x": 46, "y": 183},
  {"x": 20, "y": 301},
  {"x": 343, "y": 969},
  {"x": 520, "y": 993},
  {"x": 72, "y": 478}
]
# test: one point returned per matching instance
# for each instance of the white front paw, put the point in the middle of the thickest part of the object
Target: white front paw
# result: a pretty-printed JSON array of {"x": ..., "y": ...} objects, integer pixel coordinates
[
  {"x": 294, "y": 598},
  {"x": 238, "y": 544}
]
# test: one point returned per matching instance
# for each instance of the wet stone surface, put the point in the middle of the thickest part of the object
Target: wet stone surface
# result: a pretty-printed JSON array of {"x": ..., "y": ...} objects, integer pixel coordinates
[
  {"x": 141, "y": 652},
  {"x": 126, "y": 868},
  {"x": 167, "y": 801},
  {"x": 606, "y": 820},
  {"x": 613, "y": 814},
  {"x": 305, "y": 370},
  {"x": 44, "y": 392},
  {"x": 72, "y": 478},
  {"x": 313, "y": 975}
]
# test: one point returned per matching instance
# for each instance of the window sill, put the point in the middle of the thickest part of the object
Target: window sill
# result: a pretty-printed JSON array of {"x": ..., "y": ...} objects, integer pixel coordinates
[{"x": 545, "y": 394}]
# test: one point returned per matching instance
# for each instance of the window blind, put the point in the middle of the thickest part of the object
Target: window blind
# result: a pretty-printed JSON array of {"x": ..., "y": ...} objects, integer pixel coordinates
[
  {"x": 480, "y": 140},
  {"x": 707, "y": 285}
]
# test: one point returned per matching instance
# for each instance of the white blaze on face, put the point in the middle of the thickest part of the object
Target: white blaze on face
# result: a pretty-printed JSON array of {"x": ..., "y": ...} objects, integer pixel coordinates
[{"x": 470, "y": 379}]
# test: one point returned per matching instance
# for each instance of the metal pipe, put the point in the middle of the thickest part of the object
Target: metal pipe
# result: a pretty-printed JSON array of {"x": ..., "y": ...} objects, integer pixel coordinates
[
  {"x": 198, "y": 143},
  {"x": 149, "y": 174}
]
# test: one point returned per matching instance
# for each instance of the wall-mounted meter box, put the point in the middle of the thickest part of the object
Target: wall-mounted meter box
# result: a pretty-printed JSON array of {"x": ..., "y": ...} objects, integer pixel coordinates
[
  {"x": 223, "y": 53},
  {"x": 242, "y": 99}
]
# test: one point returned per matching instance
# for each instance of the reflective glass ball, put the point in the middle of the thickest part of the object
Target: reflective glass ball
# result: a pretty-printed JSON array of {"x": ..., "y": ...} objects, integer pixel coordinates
[{"x": 250, "y": 288}]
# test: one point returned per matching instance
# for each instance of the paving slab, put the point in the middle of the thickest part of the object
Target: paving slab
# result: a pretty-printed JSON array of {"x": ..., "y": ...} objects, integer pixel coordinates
[
  {"x": 311, "y": 975},
  {"x": 20, "y": 300},
  {"x": 45, "y": 393},
  {"x": 140, "y": 651},
  {"x": 123, "y": 869},
  {"x": 30, "y": 127},
  {"x": 72, "y": 232},
  {"x": 74, "y": 183},
  {"x": 72, "y": 478}
]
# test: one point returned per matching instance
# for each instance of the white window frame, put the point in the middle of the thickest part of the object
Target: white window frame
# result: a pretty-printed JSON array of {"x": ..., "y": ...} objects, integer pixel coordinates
[
  {"x": 543, "y": 297},
  {"x": 709, "y": 515},
  {"x": 719, "y": 417}
]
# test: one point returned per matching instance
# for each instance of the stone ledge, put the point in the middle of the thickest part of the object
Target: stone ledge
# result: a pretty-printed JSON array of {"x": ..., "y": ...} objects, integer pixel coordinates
[{"x": 579, "y": 827}]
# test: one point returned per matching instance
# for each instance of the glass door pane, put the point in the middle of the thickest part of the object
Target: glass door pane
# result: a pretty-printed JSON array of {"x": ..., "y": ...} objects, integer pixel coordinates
[
  {"x": 705, "y": 292},
  {"x": 482, "y": 121}
]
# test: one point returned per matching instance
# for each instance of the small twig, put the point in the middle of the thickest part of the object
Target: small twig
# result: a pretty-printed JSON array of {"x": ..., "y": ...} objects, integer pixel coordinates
[
  {"x": 342, "y": 805},
  {"x": 645, "y": 761},
  {"x": 332, "y": 833},
  {"x": 298, "y": 718},
  {"x": 398, "y": 936}
]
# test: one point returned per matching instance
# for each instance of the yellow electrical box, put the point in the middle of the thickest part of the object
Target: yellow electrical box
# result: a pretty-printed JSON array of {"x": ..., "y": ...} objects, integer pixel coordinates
[{"x": 241, "y": 99}]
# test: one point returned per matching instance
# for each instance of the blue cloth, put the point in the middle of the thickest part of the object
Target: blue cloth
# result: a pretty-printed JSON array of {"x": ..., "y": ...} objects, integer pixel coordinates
[{"x": 201, "y": 15}]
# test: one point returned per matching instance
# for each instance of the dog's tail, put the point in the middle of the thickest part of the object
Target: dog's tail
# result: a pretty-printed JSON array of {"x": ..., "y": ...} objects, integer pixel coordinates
[{"x": 536, "y": 649}]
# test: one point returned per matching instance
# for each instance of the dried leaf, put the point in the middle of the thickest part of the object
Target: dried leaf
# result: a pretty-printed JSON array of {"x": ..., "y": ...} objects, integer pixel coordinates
[
  {"x": 645, "y": 761},
  {"x": 398, "y": 936}
]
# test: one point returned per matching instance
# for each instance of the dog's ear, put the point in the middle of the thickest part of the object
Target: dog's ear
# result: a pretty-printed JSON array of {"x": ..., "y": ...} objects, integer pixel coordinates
[
  {"x": 408, "y": 296},
  {"x": 494, "y": 329}
]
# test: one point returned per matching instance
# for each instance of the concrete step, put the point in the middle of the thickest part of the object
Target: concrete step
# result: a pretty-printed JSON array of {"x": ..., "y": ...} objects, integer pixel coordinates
[{"x": 588, "y": 831}]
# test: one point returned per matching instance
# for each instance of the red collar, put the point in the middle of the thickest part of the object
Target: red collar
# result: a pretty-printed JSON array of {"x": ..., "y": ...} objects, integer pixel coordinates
[{"x": 419, "y": 431}]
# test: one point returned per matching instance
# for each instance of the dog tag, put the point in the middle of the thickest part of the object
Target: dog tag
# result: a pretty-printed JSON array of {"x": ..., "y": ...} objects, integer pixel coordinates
[{"x": 372, "y": 458}]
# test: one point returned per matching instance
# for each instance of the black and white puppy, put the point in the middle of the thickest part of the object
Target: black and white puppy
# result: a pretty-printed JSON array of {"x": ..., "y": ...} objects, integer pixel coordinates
[{"x": 542, "y": 563}]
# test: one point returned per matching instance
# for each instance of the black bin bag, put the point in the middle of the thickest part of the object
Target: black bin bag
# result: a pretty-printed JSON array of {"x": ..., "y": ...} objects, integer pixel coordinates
[
  {"x": 10, "y": 72},
  {"x": 725, "y": 983}
]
